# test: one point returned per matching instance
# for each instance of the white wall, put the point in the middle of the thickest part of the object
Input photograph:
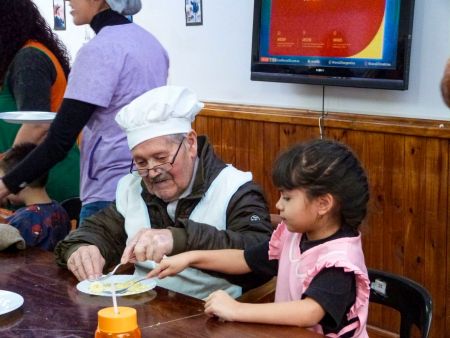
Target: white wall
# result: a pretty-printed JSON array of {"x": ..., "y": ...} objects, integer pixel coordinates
[{"x": 214, "y": 60}]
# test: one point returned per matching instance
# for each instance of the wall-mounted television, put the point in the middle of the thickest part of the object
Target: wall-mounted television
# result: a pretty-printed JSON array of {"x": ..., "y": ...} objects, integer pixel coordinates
[{"x": 352, "y": 43}]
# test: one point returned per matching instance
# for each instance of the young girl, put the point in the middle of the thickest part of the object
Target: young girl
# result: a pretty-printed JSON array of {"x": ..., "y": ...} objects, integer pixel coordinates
[{"x": 315, "y": 251}]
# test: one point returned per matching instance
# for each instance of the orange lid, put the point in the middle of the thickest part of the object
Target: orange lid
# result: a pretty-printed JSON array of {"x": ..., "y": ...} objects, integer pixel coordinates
[{"x": 124, "y": 321}]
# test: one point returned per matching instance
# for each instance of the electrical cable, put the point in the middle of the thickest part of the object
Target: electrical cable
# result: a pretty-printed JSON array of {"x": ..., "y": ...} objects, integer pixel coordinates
[{"x": 323, "y": 114}]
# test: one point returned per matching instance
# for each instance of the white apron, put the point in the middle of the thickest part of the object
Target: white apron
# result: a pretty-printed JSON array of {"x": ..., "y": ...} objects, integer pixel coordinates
[{"x": 210, "y": 210}]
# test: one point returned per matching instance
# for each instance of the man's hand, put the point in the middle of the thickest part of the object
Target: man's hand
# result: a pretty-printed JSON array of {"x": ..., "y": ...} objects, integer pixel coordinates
[
  {"x": 221, "y": 304},
  {"x": 170, "y": 266},
  {"x": 148, "y": 244},
  {"x": 86, "y": 263}
]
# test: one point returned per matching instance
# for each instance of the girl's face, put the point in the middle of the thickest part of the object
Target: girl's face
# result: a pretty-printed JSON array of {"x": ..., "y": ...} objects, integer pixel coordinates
[
  {"x": 84, "y": 10},
  {"x": 296, "y": 210},
  {"x": 304, "y": 215}
]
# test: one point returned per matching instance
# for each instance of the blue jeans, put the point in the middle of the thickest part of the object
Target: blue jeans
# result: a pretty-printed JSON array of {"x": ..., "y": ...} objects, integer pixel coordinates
[{"x": 92, "y": 208}]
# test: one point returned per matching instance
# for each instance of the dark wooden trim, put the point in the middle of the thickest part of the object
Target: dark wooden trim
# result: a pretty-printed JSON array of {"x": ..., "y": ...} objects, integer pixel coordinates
[{"x": 361, "y": 122}]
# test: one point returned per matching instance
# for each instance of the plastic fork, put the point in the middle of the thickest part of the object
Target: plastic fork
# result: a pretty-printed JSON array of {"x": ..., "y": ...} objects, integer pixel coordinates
[
  {"x": 109, "y": 274},
  {"x": 123, "y": 290}
]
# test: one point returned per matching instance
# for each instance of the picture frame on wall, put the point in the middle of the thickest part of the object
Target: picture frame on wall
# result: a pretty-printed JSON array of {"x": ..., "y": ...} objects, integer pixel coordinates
[
  {"x": 59, "y": 15},
  {"x": 194, "y": 12}
]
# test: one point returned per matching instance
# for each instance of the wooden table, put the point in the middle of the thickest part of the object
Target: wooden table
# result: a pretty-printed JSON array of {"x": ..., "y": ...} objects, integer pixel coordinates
[{"x": 53, "y": 306}]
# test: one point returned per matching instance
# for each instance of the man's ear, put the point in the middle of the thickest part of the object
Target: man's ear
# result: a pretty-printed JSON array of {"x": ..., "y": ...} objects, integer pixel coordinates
[
  {"x": 191, "y": 140},
  {"x": 326, "y": 203}
]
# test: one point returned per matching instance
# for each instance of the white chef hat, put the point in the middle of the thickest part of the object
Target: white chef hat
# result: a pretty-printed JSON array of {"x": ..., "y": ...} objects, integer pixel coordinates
[
  {"x": 125, "y": 7},
  {"x": 161, "y": 111}
]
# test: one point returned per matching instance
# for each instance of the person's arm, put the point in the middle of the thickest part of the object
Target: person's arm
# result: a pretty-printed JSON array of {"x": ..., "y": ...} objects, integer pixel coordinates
[
  {"x": 226, "y": 261},
  {"x": 30, "y": 79},
  {"x": 248, "y": 223},
  {"x": 105, "y": 230},
  {"x": 335, "y": 291},
  {"x": 257, "y": 259},
  {"x": 3, "y": 192},
  {"x": 304, "y": 313},
  {"x": 64, "y": 130},
  {"x": 31, "y": 132}
]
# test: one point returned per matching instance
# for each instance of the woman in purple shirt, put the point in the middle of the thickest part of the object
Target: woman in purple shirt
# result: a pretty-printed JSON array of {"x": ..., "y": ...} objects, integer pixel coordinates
[{"x": 121, "y": 62}]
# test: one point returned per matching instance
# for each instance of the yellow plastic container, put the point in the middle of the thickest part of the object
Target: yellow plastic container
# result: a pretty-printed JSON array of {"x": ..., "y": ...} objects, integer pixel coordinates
[{"x": 117, "y": 325}]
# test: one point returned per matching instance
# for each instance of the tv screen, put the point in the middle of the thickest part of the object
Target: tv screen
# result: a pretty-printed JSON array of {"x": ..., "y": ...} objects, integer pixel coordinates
[{"x": 352, "y": 43}]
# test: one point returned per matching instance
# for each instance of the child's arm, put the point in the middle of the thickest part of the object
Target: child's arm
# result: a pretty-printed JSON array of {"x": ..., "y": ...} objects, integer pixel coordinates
[
  {"x": 304, "y": 313},
  {"x": 229, "y": 261}
]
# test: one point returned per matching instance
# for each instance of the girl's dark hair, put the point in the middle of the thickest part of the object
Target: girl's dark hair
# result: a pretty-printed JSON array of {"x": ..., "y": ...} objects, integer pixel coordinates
[
  {"x": 326, "y": 166},
  {"x": 15, "y": 155},
  {"x": 21, "y": 21}
]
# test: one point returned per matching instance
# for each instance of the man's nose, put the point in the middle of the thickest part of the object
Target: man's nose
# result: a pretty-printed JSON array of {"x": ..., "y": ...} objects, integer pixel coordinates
[{"x": 152, "y": 173}]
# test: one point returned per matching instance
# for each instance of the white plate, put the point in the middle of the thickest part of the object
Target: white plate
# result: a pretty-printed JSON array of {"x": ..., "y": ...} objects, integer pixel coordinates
[
  {"x": 148, "y": 283},
  {"x": 9, "y": 301},
  {"x": 27, "y": 116}
]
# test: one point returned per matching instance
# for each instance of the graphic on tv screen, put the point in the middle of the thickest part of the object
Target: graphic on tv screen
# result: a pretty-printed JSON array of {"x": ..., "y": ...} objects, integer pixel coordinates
[
  {"x": 358, "y": 40},
  {"x": 332, "y": 32}
]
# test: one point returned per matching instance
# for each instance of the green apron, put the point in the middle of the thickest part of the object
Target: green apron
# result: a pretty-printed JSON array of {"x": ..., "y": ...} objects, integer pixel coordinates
[{"x": 64, "y": 177}]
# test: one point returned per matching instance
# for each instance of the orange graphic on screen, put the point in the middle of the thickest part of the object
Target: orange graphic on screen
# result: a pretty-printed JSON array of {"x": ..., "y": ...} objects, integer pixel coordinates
[{"x": 327, "y": 28}]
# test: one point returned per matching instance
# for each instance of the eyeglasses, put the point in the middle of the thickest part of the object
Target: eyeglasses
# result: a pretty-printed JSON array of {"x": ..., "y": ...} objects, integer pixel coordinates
[{"x": 160, "y": 168}]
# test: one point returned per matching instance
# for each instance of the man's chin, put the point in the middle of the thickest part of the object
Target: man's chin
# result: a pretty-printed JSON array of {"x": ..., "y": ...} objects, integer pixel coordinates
[
  {"x": 165, "y": 190},
  {"x": 165, "y": 194},
  {"x": 166, "y": 198}
]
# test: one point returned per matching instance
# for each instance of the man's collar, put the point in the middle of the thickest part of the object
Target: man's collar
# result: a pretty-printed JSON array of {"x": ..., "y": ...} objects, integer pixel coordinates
[
  {"x": 172, "y": 206},
  {"x": 188, "y": 190}
]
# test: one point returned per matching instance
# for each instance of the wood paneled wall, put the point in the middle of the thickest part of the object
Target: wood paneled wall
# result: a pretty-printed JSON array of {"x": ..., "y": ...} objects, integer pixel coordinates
[{"x": 407, "y": 161}]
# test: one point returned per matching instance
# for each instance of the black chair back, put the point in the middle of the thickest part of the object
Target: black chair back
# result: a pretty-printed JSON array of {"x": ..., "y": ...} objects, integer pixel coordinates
[
  {"x": 72, "y": 207},
  {"x": 411, "y": 299}
]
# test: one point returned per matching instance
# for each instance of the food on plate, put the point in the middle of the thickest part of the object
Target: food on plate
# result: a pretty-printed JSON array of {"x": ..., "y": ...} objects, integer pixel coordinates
[{"x": 99, "y": 287}]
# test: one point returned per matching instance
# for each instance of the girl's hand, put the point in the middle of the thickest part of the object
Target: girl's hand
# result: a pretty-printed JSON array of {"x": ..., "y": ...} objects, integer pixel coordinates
[
  {"x": 222, "y": 305},
  {"x": 170, "y": 266}
]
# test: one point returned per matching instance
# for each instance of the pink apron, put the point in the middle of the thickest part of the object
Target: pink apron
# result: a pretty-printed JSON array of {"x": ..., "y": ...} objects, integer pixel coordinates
[{"x": 296, "y": 271}]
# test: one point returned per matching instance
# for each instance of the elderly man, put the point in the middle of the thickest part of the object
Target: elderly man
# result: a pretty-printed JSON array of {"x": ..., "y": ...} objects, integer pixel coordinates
[{"x": 179, "y": 196}]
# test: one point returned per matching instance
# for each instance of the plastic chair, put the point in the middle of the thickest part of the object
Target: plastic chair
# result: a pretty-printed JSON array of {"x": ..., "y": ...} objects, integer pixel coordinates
[
  {"x": 72, "y": 207},
  {"x": 411, "y": 299}
]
